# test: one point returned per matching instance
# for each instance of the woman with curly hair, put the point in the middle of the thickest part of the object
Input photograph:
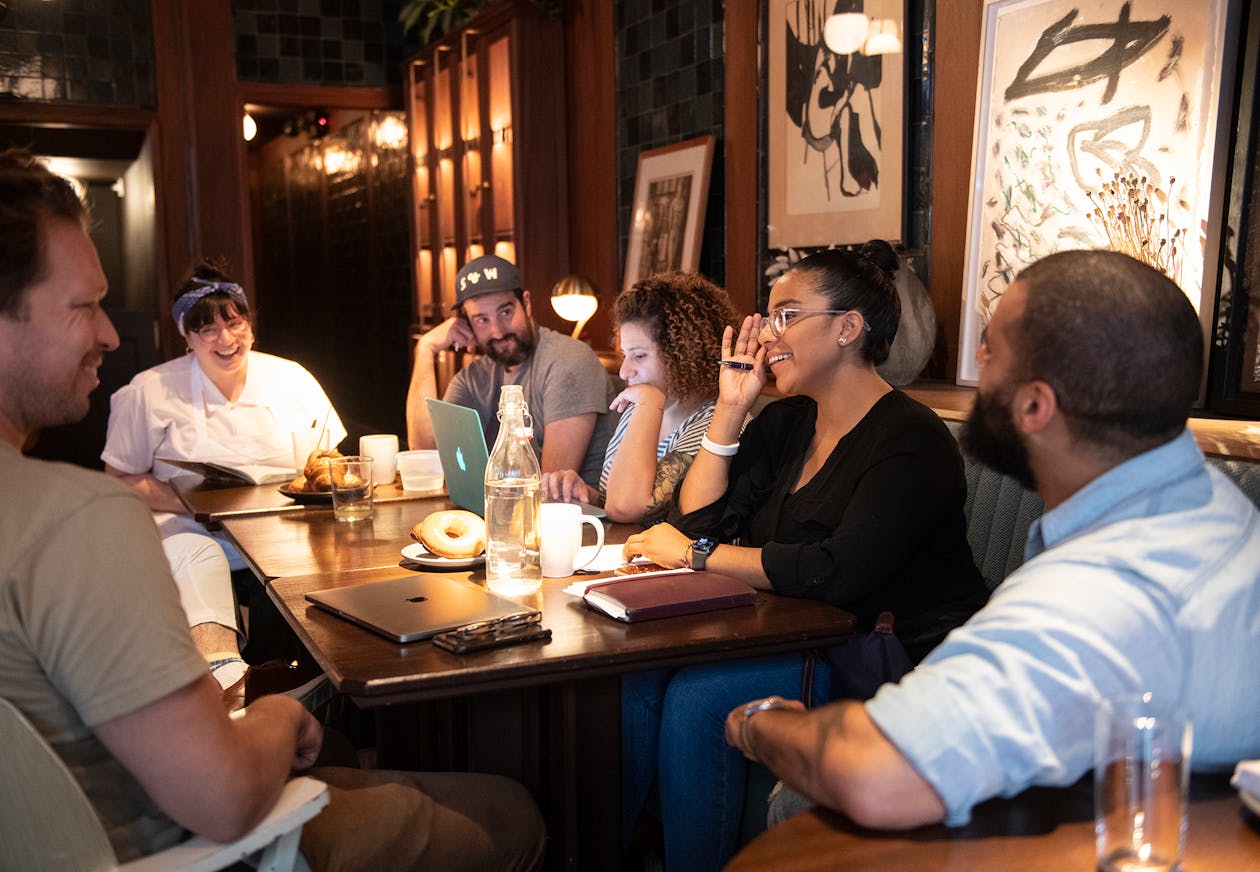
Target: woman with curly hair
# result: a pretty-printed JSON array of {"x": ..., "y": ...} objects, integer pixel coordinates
[{"x": 669, "y": 330}]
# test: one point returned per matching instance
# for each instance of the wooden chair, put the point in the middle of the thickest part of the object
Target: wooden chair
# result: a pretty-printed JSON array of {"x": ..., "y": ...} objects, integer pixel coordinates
[{"x": 48, "y": 823}]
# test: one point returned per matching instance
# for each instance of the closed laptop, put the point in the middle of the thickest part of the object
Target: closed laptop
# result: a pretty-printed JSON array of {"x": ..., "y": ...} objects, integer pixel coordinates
[{"x": 414, "y": 606}]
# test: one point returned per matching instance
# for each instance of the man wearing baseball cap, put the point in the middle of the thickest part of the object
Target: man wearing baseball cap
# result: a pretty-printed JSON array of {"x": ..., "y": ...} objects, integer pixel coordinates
[{"x": 566, "y": 387}]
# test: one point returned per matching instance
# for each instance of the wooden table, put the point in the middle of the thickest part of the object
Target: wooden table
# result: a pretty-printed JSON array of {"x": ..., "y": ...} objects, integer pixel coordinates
[
  {"x": 309, "y": 539},
  {"x": 1041, "y": 830},
  {"x": 212, "y": 502},
  {"x": 584, "y": 644},
  {"x": 546, "y": 714}
]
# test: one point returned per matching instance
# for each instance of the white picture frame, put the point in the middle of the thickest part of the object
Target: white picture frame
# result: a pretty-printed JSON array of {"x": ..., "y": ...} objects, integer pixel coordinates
[{"x": 1075, "y": 95}]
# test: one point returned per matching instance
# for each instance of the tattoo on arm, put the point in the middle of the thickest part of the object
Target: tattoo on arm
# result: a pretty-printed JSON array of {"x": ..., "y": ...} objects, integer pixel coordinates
[{"x": 671, "y": 470}]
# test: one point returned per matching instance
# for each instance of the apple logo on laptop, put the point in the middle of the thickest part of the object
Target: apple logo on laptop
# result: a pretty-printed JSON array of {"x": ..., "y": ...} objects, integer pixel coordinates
[{"x": 459, "y": 458}]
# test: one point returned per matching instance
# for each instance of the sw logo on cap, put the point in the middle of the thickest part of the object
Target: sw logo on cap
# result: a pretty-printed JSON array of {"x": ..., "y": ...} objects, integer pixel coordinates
[{"x": 490, "y": 273}]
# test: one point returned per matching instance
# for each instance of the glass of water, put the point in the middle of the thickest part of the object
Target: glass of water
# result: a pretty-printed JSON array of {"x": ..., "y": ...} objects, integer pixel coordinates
[
  {"x": 351, "y": 487},
  {"x": 1141, "y": 783}
]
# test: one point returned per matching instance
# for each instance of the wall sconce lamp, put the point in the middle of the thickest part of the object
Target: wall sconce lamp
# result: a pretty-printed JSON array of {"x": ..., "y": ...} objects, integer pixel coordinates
[
  {"x": 249, "y": 127},
  {"x": 574, "y": 299}
]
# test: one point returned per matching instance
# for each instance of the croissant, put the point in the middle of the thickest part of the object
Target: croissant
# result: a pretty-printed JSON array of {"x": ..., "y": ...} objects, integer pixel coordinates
[{"x": 316, "y": 470}]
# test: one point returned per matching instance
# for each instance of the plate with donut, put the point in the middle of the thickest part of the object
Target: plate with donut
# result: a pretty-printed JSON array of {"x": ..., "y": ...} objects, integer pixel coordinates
[{"x": 450, "y": 539}]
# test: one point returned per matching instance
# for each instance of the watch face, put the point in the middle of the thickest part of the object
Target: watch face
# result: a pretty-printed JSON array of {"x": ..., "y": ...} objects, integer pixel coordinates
[{"x": 705, "y": 544}]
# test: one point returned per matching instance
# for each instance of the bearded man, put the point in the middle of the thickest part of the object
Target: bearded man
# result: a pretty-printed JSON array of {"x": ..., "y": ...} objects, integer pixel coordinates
[
  {"x": 1140, "y": 577},
  {"x": 567, "y": 389}
]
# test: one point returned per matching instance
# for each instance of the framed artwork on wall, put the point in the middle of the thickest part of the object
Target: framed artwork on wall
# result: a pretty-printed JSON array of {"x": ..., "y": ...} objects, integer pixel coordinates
[
  {"x": 671, "y": 190},
  {"x": 1096, "y": 127},
  {"x": 835, "y": 113}
]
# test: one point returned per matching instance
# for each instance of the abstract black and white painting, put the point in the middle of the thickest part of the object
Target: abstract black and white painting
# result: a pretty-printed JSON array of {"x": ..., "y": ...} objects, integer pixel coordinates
[
  {"x": 835, "y": 127},
  {"x": 1096, "y": 124}
]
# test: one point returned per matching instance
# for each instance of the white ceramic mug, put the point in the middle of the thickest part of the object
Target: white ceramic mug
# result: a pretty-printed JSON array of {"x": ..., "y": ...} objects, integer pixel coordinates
[
  {"x": 560, "y": 537},
  {"x": 382, "y": 448}
]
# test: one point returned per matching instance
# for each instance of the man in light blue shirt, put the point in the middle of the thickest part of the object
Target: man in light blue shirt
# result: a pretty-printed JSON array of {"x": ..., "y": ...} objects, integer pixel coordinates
[{"x": 1142, "y": 576}]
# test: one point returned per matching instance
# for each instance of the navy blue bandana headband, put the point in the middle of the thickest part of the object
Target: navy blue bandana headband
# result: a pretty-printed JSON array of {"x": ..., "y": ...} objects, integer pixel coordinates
[{"x": 188, "y": 299}]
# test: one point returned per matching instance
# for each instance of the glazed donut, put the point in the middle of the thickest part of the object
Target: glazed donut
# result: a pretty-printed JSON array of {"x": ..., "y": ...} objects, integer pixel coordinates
[{"x": 453, "y": 533}]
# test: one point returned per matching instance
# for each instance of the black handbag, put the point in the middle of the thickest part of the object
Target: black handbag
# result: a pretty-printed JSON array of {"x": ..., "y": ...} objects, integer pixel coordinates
[{"x": 861, "y": 664}]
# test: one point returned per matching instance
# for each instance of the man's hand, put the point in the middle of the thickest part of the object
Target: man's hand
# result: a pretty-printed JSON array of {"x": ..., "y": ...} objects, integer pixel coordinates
[
  {"x": 737, "y": 733},
  {"x": 310, "y": 738},
  {"x": 565, "y": 485},
  {"x": 454, "y": 333}
]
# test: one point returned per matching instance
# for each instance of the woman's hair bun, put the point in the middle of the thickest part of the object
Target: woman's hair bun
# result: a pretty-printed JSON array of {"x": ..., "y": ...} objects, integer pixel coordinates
[{"x": 881, "y": 254}]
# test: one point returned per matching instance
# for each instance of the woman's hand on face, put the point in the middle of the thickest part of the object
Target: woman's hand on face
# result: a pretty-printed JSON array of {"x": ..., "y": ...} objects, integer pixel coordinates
[
  {"x": 565, "y": 485},
  {"x": 640, "y": 395},
  {"x": 661, "y": 543},
  {"x": 739, "y": 387}
]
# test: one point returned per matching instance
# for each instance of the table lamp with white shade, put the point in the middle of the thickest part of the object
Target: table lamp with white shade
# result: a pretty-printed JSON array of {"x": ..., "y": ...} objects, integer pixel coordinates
[{"x": 574, "y": 299}]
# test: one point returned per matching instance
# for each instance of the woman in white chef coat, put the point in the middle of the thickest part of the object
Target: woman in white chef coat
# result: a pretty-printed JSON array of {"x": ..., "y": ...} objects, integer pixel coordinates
[{"x": 222, "y": 402}]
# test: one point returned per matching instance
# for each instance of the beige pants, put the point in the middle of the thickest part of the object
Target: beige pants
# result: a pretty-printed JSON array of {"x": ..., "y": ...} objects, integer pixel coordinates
[{"x": 379, "y": 819}]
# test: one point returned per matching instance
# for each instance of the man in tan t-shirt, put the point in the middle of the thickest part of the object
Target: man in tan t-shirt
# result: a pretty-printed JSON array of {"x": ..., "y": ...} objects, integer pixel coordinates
[{"x": 94, "y": 648}]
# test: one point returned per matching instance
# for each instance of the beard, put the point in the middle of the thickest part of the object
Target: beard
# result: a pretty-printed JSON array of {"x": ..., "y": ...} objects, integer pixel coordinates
[
  {"x": 989, "y": 436},
  {"x": 511, "y": 349}
]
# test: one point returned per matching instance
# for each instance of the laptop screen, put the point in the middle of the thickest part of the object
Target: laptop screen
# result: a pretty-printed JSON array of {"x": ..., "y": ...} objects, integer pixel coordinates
[{"x": 461, "y": 445}]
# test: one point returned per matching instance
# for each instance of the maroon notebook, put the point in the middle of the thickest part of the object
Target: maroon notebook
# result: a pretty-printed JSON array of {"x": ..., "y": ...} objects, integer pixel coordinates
[{"x": 643, "y": 598}]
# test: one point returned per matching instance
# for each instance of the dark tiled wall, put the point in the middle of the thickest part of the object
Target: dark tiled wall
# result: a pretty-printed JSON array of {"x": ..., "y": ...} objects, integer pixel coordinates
[
  {"x": 320, "y": 42},
  {"x": 78, "y": 51},
  {"x": 670, "y": 87}
]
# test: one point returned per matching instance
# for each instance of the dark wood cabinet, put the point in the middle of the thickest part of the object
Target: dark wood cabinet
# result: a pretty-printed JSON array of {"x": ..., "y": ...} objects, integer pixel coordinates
[{"x": 486, "y": 112}]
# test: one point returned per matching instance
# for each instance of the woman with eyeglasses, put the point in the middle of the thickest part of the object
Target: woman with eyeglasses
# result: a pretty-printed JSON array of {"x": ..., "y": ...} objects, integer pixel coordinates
[
  {"x": 845, "y": 491},
  {"x": 222, "y": 401}
]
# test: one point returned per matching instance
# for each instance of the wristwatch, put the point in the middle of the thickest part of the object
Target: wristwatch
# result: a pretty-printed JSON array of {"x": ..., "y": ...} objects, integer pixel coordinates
[{"x": 698, "y": 552}]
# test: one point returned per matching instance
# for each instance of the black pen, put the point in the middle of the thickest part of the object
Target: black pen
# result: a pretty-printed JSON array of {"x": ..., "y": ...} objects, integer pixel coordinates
[{"x": 738, "y": 364}]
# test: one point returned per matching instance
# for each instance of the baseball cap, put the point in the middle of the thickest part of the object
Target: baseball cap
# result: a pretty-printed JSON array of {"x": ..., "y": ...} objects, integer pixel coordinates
[{"x": 487, "y": 274}]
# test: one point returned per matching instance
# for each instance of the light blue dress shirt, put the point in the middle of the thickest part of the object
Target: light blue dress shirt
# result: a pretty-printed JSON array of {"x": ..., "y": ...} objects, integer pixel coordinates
[{"x": 1146, "y": 579}]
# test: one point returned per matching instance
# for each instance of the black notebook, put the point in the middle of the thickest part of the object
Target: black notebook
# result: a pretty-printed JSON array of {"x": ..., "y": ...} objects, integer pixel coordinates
[{"x": 414, "y": 606}]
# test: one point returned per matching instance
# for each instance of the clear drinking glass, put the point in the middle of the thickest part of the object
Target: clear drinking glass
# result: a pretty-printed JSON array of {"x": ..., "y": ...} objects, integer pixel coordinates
[
  {"x": 1141, "y": 783},
  {"x": 351, "y": 487}
]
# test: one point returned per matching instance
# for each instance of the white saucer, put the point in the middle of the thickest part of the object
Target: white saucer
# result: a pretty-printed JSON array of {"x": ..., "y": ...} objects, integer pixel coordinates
[{"x": 417, "y": 553}]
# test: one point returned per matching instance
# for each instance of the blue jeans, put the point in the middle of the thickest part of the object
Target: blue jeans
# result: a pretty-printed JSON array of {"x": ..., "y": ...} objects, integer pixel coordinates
[{"x": 673, "y": 731}]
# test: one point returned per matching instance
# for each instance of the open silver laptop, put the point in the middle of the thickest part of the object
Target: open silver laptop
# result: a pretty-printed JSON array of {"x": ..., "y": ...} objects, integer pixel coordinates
[
  {"x": 461, "y": 445},
  {"x": 414, "y": 606}
]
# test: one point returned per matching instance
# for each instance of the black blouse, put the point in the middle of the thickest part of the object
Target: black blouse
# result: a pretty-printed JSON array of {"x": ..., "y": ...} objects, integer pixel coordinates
[{"x": 879, "y": 527}]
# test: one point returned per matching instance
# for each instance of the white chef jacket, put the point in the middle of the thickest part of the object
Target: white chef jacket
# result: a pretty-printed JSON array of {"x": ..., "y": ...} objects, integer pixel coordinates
[{"x": 173, "y": 410}]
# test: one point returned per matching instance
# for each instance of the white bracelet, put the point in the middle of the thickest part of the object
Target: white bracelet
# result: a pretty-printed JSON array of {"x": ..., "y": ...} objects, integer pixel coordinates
[{"x": 718, "y": 448}]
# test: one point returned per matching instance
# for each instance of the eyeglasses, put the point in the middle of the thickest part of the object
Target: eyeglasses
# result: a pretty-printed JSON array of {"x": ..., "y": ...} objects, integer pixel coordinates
[
  {"x": 238, "y": 327},
  {"x": 783, "y": 317},
  {"x": 503, "y": 628}
]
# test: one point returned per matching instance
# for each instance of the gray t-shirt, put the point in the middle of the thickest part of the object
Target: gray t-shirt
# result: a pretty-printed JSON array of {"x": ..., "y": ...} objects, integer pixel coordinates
[
  {"x": 91, "y": 628},
  {"x": 563, "y": 378}
]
